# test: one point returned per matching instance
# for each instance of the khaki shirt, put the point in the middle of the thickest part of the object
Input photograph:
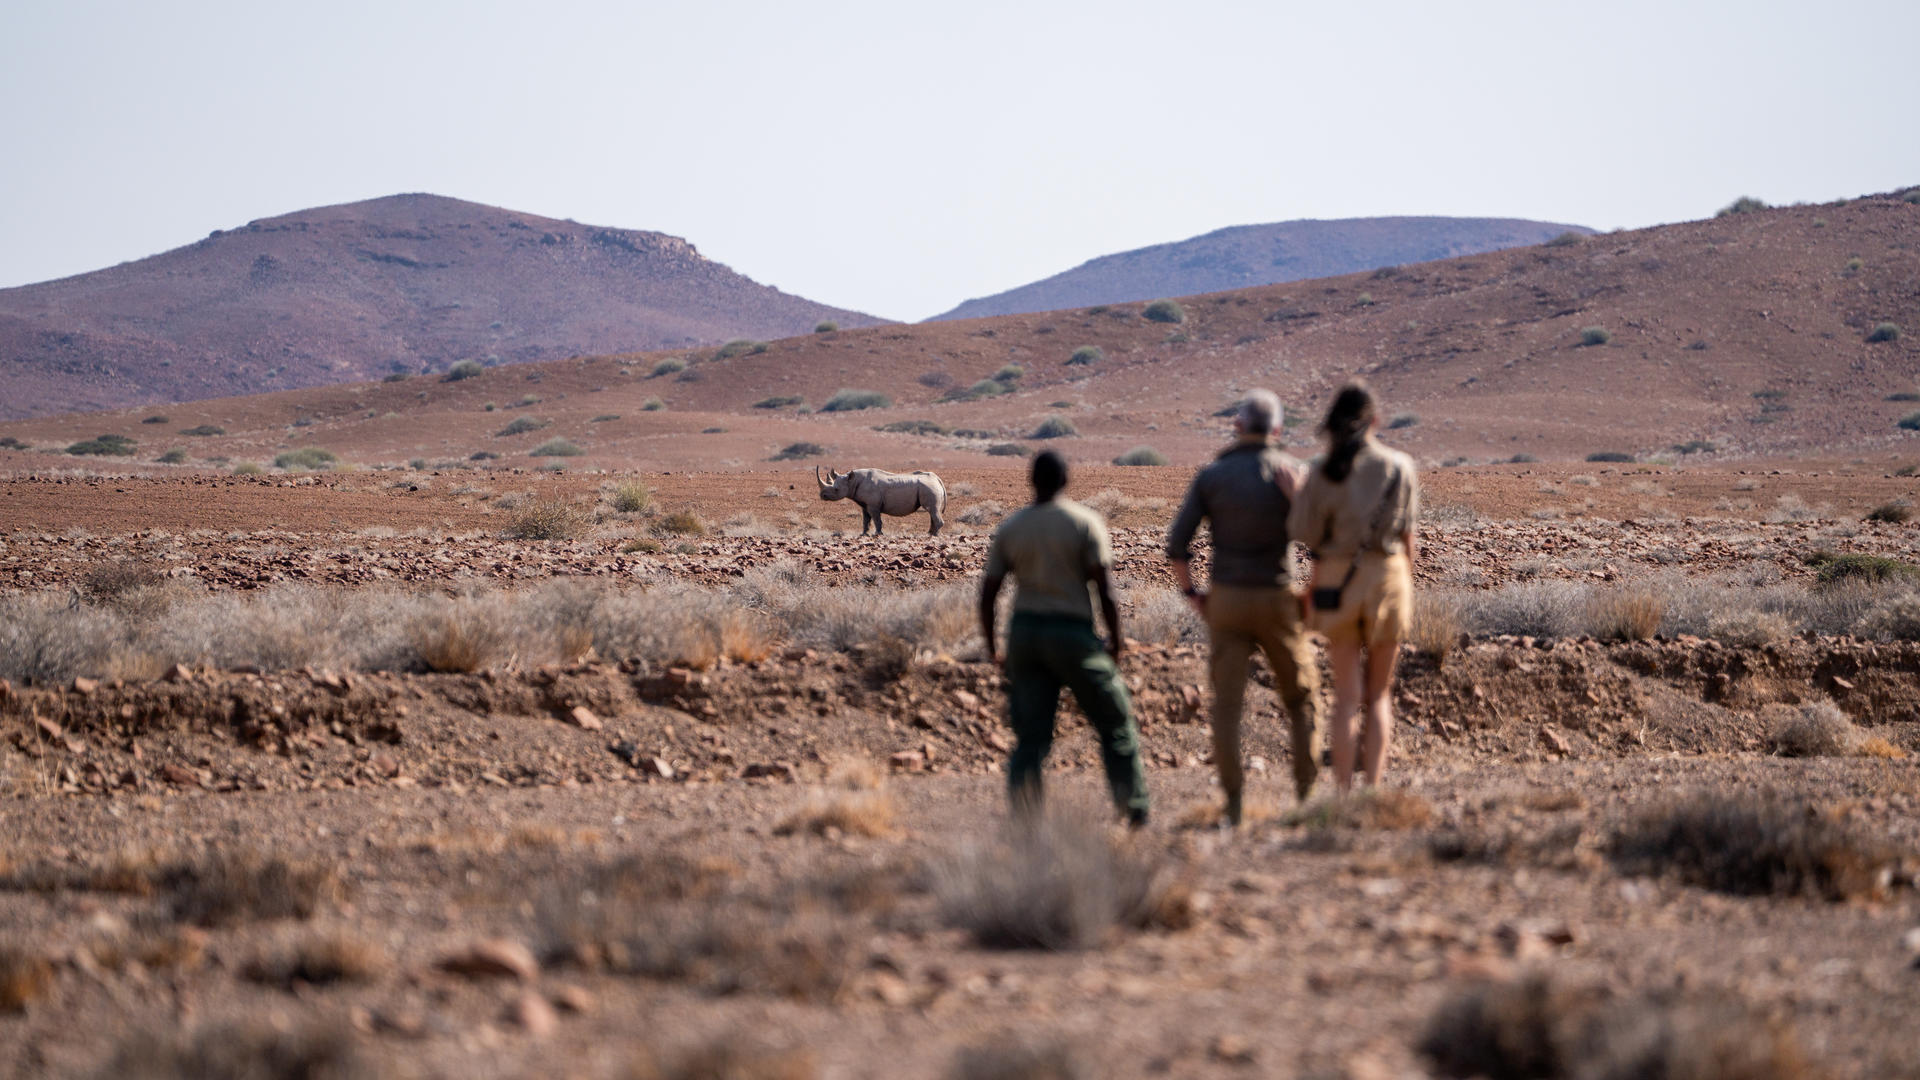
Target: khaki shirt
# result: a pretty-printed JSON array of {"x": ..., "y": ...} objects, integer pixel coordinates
[
  {"x": 1053, "y": 550},
  {"x": 1336, "y": 521},
  {"x": 1239, "y": 494}
]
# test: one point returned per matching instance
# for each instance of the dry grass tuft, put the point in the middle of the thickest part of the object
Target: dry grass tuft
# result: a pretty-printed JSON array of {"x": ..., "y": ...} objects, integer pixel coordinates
[
  {"x": 746, "y": 637},
  {"x": 849, "y": 813},
  {"x": 25, "y": 977},
  {"x": 726, "y": 1059},
  {"x": 681, "y": 523},
  {"x": 1816, "y": 729},
  {"x": 1438, "y": 625},
  {"x": 320, "y": 960},
  {"x": 1748, "y": 628},
  {"x": 239, "y": 1052},
  {"x": 1008, "y": 1058},
  {"x": 457, "y": 641},
  {"x": 1063, "y": 884},
  {"x": 549, "y": 520},
  {"x": 1629, "y": 614},
  {"x": 1876, "y": 747},
  {"x": 1212, "y": 813},
  {"x": 1538, "y": 1028},
  {"x": 1753, "y": 845},
  {"x": 1369, "y": 808},
  {"x": 224, "y": 888}
]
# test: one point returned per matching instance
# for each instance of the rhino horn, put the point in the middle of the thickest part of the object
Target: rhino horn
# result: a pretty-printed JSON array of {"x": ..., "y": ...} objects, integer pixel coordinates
[{"x": 816, "y": 477}]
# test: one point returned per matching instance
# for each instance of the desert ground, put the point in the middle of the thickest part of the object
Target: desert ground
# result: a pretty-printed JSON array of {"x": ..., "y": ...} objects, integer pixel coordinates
[{"x": 492, "y": 772}]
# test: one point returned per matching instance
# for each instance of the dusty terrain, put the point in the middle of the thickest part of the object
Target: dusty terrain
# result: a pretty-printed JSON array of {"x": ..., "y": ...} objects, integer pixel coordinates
[
  {"x": 763, "y": 846},
  {"x": 445, "y": 761}
]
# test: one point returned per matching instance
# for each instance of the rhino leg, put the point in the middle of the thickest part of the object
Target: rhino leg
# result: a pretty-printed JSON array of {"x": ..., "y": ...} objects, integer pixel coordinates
[
  {"x": 866, "y": 520},
  {"x": 936, "y": 522},
  {"x": 879, "y": 521}
]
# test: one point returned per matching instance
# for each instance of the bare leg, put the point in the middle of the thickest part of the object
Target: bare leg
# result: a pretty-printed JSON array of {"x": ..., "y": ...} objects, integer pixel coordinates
[
  {"x": 1377, "y": 731},
  {"x": 1347, "y": 676}
]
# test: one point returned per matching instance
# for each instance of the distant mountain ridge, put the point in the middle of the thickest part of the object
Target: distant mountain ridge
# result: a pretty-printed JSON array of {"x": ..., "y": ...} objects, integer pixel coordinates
[
  {"x": 1251, "y": 255},
  {"x": 356, "y": 291}
]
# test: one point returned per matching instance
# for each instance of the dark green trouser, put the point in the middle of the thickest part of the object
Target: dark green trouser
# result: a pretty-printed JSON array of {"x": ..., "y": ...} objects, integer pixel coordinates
[{"x": 1045, "y": 653}]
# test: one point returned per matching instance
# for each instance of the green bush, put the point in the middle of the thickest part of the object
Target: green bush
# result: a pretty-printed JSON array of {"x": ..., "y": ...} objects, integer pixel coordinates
[
  {"x": 1009, "y": 373},
  {"x": 825, "y": 326},
  {"x": 104, "y": 446},
  {"x": 1607, "y": 456},
  {"x": 308, "y": 457},
  {"x": 1164, "y": 311},
  {"x": 1007, "y": 449},
  {"x": 798, "y": 451},
  {"x": 1595, "y": 335},
  {"x": 1086, "y": 354},
  {"x": 483, "y": 455},
  {"x": 1363, "y": 300},
  {"x": 1696, "y": 446},
  {"x": 914, "y": 427},
  {"x": 1877, "y": 569},
  {"x": 465, "y": 369},
  {"x": 173, "y": 457},
  {"x": 1903, "y": 395},
  {"x": 521, "y": 425},
  {"x": 985, "y": 388},
  {"x": 1745, "y": 204},
  {"x": 740, "y": 347},
  {"x": 1912, "y": 195},
  {"x": 205, "y": 429},
  {"x": 248, "y": 468},
  {"x": 1402, "y": 420},
  {"x": 652, "y": 404},
  {"x": 631, "y": 498},
  {"x": 557, "y": 446},
  {"x": 1141, "y": 455},
  {"x": 8, "y": 442},
  {"x": 1885, "y": 331},
  {"x": 779, "y": 402},
  {"x": 1893, "y": 513},
  {"x": 157, "y": 419},
  {"x": 1565, "y": 239},
  {"x": 398, "y": 376},
  {"x": 1054, "y": 427},
  {"x": 855, "y": 400},
  {"x": 604, "y": 417},
  {"x": 1854, "y": 266},
  {"x": 669, "y": 366}
]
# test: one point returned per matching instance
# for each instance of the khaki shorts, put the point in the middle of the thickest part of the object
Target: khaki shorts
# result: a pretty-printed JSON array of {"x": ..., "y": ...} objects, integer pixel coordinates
[{"x": 1376, "y": 608}]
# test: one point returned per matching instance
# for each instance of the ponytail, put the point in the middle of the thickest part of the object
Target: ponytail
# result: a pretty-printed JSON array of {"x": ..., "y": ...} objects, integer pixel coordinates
[{"x": 1348, "y": 421}]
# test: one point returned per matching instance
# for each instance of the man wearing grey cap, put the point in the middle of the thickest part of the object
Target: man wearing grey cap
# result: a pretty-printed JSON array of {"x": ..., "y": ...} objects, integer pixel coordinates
[{"x": 1245, "y": 495}]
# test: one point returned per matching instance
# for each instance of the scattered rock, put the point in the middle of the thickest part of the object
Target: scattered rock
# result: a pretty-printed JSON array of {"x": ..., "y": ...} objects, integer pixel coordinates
[
  {"x": 85, "y": 686},
  {"x": 493, "y": 958},
  {"x": 778, "y": 770},
  {"x": 583, "y": 718},
  {"x": 1232, "y": 1050},
  {"x": 1555, "y": 741},
  {"x": 180, "y": 775},
  {"x": 531, "y": 1012},
  {"x": 907, "y": 761},
  {"x": 575, "y": 999}
]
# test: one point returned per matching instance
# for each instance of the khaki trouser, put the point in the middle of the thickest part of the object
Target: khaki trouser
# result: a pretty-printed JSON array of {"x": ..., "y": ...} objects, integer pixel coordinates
[{"x": 1240, "y": 618}]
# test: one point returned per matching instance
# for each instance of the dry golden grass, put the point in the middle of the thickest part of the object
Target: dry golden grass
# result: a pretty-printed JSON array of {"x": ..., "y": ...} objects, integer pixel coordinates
[
  {"x": 457, "y": 642},
  {"x": 1369, "y": 808},
  {"x": 575, "y": 642},
  {"x": 223, "y": 888},
  {"x": 1816, "y": 729},
  {"x": 25, "y": 977},
  {"x": 681, "y": 523},
  {"x": 1755, "y": 845},
  {"x": 182, "y": 948},
  {"x": 550, "y": 520},
  {"x": 746, "y": 637},
  {"x": 1877, "y": 747},
  {"x": 1627, "y": 614},
  {"x": 321, "y": 959},
  {"x": 867, "y": 813},
  {"x": 1211, "y": 813},
  {"x": 1436, "y": 626}
]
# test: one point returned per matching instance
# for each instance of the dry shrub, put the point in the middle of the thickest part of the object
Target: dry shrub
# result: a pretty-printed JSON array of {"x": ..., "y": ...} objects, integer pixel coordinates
[
  {"x": 745, "y": 637},
  {"x": 1160, "y": 615},
  {"x": 681, "y": 523},
  {"x": 1876, "y": 747},
  {"x": 727, "y": 1059},
  {"x": 984, "y": 512},
  {"x": 110, "y": 581},
  {"x": 1816, "y": 729},
  {"x": 1538, "y": 1028},
  {"x": 1063, "y": 883},
  {"x": 460, "y": 640},
  {"x": 249, "y": 1051},
  {"x": 1438, "y": 624},
  {"x": 320, "y": 960},
  {"x": 574, "y": 642},
  {"x": 1892, "y": 618},
  {"x": 177, "y": 948},
  {"x": 547, "y": 520},
  {"x": 223, "y": 888},
  {"x": 852, "y": 813},
  {"x": 1748, "y": 628},
  {"x": 1625, "y": 614},
  {"x": 1753, "y": 845},
  {"x": 1212, "y": 813},
  {"x": 1113, "y": 503},
  {"x": 25, "y": 977},
  {"x": 887, "y": 660},
  {"x": 1007, "y": 1058},
  {"x": 1368, "y": 808}
]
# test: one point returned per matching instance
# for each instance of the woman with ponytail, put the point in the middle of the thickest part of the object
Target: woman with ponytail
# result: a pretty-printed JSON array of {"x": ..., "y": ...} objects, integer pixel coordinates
[{"x": 1358, "y": 513}]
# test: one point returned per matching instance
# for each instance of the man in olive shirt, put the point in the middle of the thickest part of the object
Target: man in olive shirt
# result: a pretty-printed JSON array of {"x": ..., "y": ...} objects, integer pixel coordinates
[
  {"x": 1245, "y": 494},
  {"x": 1059, "y": 553}
]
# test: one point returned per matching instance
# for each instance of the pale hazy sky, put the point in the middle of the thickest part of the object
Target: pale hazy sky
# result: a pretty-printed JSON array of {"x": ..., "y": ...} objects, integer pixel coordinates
[{"x": 900, "y": 157}]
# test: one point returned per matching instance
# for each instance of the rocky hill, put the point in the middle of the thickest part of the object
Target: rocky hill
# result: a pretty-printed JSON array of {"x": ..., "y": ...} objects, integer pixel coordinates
[
  {"x": 407, "y": 283},
  {"x": 1249, "y": 255}
]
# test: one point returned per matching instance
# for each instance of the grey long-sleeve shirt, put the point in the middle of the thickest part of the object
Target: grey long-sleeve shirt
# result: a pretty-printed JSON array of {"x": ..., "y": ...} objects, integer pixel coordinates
[{"x": 1238, "y": 496}]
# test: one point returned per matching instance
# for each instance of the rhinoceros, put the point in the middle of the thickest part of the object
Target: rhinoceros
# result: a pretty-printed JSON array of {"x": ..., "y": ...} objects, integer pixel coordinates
[{"x": 880, "y": 492}]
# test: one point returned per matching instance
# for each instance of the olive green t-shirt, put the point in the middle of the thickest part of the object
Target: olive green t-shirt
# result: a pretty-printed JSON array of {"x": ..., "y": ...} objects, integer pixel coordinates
[{"x": 1053, "y": 550}]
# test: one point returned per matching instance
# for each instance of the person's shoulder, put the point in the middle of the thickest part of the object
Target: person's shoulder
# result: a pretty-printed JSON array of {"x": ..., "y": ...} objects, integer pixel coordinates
[
  {"x": 1080, "y": 512},
  {"x": 1400, "y": 460}
]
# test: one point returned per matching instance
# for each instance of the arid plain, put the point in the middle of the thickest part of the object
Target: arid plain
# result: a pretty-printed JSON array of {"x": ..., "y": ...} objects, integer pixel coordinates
[{"x": 632, "y": 759}]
